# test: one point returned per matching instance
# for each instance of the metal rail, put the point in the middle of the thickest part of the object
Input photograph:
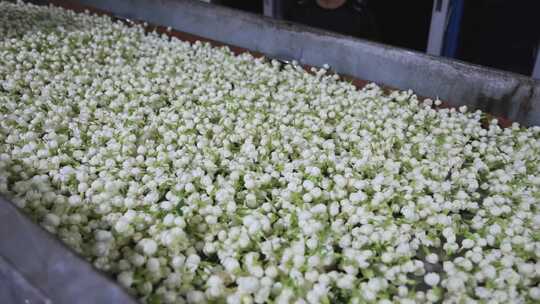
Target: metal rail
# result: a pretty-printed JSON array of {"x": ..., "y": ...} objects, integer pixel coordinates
[
  {"x": 536, "y": 68},
  {"x": 273, "y": 8},
  {"x": 437, "y": 29}
]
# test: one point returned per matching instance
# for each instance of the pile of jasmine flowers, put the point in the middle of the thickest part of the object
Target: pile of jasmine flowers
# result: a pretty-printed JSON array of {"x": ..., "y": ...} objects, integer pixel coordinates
[{"x": 193, "y": 175}]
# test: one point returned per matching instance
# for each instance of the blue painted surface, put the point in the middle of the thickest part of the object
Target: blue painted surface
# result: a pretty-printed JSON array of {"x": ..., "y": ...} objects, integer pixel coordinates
[{"x": 451, "y": 40}]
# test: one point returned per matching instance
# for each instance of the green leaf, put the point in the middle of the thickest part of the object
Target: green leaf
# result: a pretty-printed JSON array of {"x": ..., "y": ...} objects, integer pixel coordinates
[
  {"x": 367, "y": 273},
  {"x": 178, "y": 208}
]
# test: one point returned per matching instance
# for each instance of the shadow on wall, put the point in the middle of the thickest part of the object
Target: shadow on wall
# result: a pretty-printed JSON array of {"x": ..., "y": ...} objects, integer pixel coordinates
[
  {"x": 254, "y": 6},
  {"x": 398, "y": 23},
  {"x": 502, "y": 34}
]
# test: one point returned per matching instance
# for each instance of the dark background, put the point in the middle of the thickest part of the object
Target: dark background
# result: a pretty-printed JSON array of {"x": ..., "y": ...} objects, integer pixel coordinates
[{"x": 503, "y": 34}]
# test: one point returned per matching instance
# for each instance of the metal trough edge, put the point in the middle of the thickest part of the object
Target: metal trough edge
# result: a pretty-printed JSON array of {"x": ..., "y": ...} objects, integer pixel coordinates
[
  {"x": 499, "y": 93},
  {"x": 35, "y": 267}
]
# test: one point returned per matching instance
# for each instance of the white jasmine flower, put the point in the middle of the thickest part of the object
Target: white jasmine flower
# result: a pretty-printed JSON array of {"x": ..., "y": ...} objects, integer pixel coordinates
[
  {"x": 194, "y": 174},
  {"x": 432, "y": 258},
  {"x": 126, "y": 278},
  {"x": 432, "y": 279},
  {"x": 148, "y": 246},
  {"x": 247, "y": 284},
  {"x": 534, "y": 293}
]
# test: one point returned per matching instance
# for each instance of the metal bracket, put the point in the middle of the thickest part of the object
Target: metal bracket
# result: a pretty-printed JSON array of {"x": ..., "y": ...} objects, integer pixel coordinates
[
  {"x": 536, "y": 68},
  {"x": 437, "y": 29},
  {"x": 273, "y": 9}
]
